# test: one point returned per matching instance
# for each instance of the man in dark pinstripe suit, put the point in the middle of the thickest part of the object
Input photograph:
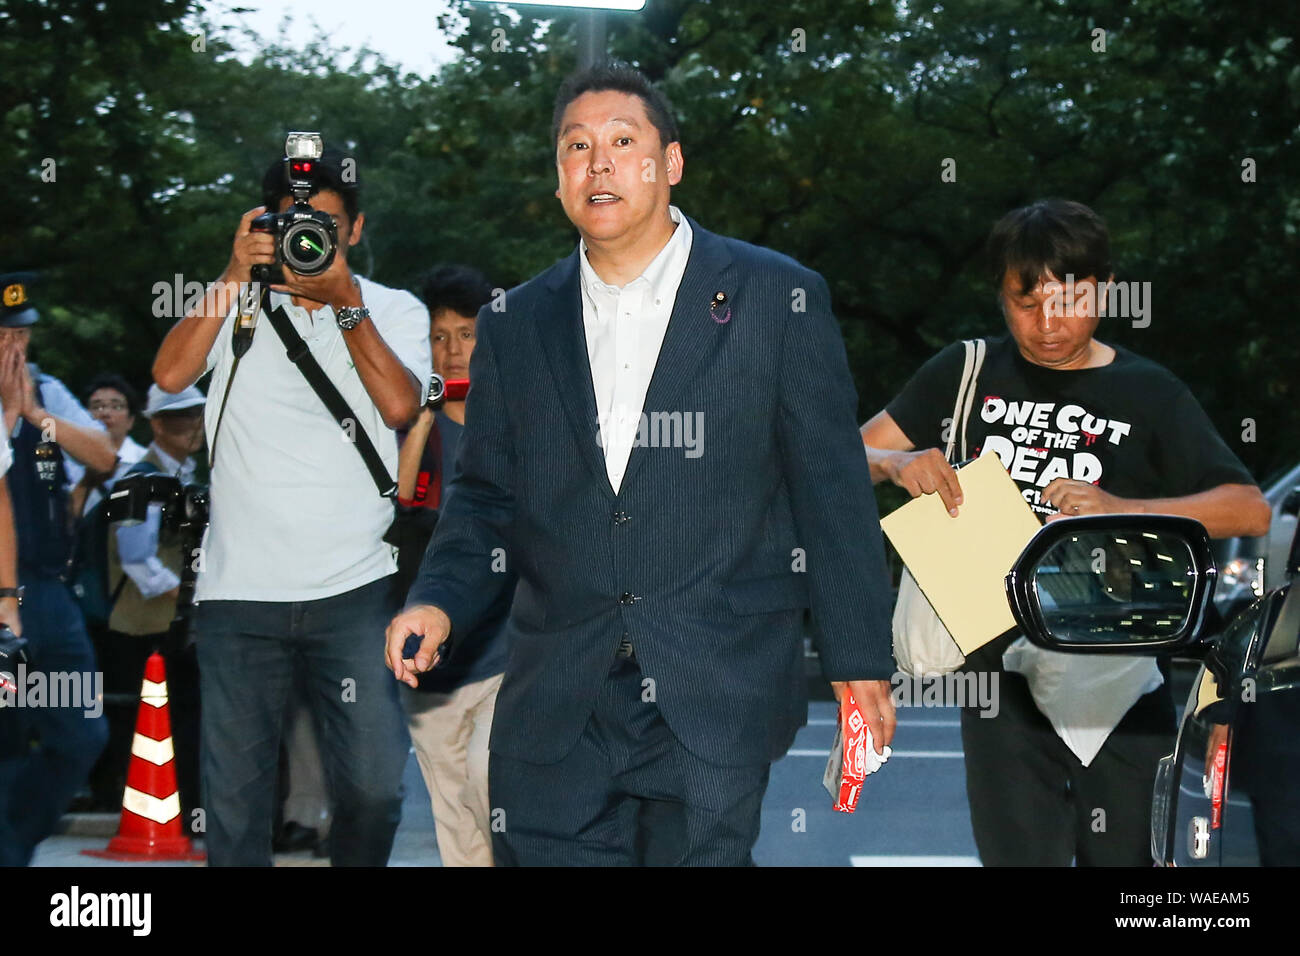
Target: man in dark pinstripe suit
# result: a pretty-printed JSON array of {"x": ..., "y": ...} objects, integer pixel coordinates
[{"x": 661, "y": 441}]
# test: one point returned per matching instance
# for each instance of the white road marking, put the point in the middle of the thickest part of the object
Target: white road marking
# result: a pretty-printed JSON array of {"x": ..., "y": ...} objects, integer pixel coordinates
[
  {"x": 948, "y": 754},
  {"x": 914, "y": 860},
  {"x": 902, "y": 722}
]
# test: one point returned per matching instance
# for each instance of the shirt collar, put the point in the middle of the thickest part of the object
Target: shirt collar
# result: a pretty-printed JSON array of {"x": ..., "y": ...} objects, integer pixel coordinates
[
  {"x": 170, "y": 465},
  {"x": 678, "y": 242}
]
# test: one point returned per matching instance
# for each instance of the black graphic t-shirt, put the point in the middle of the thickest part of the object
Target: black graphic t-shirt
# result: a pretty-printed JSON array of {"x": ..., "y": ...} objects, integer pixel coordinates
[{"x": 1130, "y": 427}]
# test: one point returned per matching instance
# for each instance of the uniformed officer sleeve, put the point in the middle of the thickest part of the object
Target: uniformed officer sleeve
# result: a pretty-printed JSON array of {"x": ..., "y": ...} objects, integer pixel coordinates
[{"x": 60, "y": 402}]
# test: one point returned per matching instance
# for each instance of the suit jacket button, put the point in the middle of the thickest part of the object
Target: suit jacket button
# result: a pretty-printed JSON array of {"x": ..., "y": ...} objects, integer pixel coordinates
[
  {"x": 621, "y": 517},
  {"x": 627, "y": 598}
]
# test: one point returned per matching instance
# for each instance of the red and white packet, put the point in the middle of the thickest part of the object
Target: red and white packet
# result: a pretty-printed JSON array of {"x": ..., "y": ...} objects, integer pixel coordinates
[{"x": 853, "y": 757}]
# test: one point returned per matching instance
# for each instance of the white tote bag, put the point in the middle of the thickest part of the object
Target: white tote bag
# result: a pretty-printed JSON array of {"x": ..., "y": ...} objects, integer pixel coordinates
[{"x": 922, "y": 645}]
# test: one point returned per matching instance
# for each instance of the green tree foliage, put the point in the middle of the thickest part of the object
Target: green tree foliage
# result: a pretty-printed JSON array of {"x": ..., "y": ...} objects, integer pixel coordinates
[{"x": 817, "y": 127}]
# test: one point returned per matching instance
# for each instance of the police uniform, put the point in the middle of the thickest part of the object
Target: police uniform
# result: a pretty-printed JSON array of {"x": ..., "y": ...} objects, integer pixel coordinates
[{"x": 46, "y": 751}]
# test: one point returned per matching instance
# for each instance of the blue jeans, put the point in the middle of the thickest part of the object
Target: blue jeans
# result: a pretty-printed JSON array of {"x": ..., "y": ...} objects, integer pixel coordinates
[
  {"x": 46, "y": 752},
  {"x": 247, "y": 654}
]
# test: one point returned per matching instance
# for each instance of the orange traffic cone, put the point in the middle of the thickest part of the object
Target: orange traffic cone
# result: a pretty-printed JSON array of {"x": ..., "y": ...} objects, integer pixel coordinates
[{"x": 150, "y": 827}]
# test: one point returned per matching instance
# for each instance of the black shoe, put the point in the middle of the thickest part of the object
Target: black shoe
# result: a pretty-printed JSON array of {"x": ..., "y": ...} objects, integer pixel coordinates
[{"x": 294, "y": 837}]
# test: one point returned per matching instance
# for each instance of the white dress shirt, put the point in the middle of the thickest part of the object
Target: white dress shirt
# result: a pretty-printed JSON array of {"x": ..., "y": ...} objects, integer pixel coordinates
[
  {"x": 130, "y": 452},
  {"x": 625, "y": 328}
]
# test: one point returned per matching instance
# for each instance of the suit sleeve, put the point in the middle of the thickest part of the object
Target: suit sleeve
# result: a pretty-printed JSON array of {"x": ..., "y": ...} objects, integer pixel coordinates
[
  {"x": 462, "y": 571},
  {"x": 830, "y": 488}
]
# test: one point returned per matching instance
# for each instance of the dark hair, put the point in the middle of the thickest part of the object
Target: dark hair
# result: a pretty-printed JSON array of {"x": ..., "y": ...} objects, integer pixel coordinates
[
  {"x": 462, "y": 289},
  {"x": 328, "y": 174},
  {"x": 118, "y": 384},
  {"x": 1051, "y": 235},
  {"x": 621, "y": 79}
]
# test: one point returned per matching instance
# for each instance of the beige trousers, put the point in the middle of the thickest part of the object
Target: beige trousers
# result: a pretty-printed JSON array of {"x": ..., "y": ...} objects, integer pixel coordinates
[{"x": 450, "y": 734}]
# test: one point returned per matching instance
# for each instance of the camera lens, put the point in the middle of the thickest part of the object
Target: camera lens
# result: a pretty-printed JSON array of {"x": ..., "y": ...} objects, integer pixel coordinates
[{"x": 307, "y": 247}]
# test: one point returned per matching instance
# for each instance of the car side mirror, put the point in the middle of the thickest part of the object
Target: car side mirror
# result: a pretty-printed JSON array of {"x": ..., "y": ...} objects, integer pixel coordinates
[{"x": 1112, "y": 584}]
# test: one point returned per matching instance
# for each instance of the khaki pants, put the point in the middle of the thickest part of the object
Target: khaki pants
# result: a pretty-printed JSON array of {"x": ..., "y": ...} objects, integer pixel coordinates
[{"x": 450, "y": 734}]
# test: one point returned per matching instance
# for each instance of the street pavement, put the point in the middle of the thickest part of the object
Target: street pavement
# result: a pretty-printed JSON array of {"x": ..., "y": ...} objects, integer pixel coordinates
[{"x": 912, "y": 812}]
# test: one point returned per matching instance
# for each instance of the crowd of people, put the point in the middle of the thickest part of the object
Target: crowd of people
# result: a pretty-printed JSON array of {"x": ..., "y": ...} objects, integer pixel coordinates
[{"x": 592, "y": 640}]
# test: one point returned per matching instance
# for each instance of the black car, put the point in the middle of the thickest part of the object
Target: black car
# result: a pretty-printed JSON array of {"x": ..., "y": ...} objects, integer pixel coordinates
[{"x": 1229, "y": 794}]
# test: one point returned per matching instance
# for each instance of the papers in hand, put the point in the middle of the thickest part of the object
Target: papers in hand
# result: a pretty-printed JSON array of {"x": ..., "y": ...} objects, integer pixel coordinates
[{"x": 960, "y": 563}]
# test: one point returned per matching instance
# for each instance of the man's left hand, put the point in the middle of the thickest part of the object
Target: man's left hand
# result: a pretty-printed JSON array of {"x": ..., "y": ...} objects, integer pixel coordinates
[
  {"x": 1072, "y": 498},
  {"x": 877, "y": 706},
  {"x": 334, "y": 287}
]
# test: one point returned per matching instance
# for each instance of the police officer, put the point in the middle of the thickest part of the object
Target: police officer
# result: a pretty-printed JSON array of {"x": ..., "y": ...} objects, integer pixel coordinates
[{"x": 45, "y": 751}]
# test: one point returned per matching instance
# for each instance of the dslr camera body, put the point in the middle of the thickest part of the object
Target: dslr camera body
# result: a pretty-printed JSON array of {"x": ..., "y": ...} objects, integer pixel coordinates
[
  {"x": 306, "y": 239},
  {"x": 183, "y": 505},
  {"x": 185, "y": 511}
]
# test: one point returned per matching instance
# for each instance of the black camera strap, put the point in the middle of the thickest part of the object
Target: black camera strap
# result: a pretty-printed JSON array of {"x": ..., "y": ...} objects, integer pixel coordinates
[{"x": 320, "y": 383}]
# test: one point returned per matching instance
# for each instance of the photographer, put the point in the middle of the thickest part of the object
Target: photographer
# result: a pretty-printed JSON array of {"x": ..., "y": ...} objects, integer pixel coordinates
[
  {"x": 294, "y": 569},
  {"x": 144, "y": 563}
]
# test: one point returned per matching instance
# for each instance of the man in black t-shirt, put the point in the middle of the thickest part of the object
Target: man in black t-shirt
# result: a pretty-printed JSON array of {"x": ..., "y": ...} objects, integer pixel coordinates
[{"x": 1082, "y": 428}]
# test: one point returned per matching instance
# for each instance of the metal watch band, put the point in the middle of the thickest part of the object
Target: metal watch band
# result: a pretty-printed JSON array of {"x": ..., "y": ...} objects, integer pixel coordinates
[{"x": 350, "y": 316}]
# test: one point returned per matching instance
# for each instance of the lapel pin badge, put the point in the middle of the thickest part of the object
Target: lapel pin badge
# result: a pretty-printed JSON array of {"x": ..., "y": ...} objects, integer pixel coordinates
[{"x": 719, "y": 309}]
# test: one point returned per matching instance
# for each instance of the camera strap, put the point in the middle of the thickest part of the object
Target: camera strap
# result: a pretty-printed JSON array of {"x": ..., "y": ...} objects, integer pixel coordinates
[{"x": 328, "y": 393}]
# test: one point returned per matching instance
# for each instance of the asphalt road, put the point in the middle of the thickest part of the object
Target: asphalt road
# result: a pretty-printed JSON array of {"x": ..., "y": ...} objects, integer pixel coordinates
[{"x": 913, "y": 811}]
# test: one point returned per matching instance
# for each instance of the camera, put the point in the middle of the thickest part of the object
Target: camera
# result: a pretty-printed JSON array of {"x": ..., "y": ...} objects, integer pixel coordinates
[
  {"x": 128, "y": 502},
  {"x": 306, "y": 239},
  {"x": 445, "y": 390},
  {"x": 185, "y": 511}
]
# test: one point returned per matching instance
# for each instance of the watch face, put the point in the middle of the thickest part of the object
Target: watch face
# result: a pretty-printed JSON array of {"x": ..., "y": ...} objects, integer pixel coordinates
[{"x": 350, "y": 317}]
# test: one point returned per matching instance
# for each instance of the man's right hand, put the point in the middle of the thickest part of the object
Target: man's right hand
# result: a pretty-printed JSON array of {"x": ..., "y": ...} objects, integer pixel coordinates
[
  {"x": 425, "y": 621},
  {"x": 924, "y": 473},
  {"x": 249, "y": 249}
]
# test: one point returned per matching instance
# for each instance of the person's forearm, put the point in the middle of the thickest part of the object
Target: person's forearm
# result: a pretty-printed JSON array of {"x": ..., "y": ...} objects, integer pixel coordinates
[
  {"x": 882, "y": 462},
  {"x": 183, "y": 355},
  {"x": 408, "y": 459},
  {"x": 90, "y": 446},
  {"x": 390, "y": 386},
  {"x": 1226, "y": 511}
]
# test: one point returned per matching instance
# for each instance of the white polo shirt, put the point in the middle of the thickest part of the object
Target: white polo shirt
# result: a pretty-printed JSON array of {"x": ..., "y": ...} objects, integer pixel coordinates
[{"x": 295, "y": 514}]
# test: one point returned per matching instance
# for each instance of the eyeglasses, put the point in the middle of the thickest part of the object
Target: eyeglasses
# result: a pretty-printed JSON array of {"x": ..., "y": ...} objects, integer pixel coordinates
[{"x": 107, "y": 406}]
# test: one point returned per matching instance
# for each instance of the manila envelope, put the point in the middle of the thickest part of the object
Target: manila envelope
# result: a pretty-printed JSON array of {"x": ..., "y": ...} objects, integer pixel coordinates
[{"x": 960, "y": 563}]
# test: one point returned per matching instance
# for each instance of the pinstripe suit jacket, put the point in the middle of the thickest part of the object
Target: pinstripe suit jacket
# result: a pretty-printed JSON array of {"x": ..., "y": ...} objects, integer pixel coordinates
[{"x": 707, "y": 561}]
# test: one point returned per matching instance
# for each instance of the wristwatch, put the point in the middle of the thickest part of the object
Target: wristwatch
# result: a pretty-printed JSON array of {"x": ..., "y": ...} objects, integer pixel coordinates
[
  {"x": 12, "y": 593},
  {"x": 350, "y": 316}
]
